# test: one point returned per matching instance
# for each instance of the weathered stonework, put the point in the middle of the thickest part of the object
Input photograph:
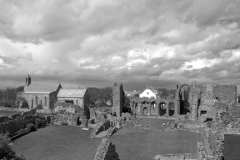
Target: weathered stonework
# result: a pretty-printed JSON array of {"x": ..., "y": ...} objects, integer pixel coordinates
[
  {"x": 106, "y": 151},
  {"x": 36, "y": 94},
  {"x": 118, "y": 99}
]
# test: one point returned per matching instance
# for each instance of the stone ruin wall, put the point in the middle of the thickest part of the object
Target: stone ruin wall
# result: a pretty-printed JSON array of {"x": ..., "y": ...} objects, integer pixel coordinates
[
  {"x": 118, "y": 99},
  {"x": 106, "y": 151},
  {"x": 225, "y": 93}
]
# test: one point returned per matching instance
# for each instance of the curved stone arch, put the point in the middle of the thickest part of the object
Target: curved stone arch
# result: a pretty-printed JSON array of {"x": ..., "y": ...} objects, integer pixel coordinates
[
  {"x": 179, "y": 90},
  {"x": 178, "y": 99}
]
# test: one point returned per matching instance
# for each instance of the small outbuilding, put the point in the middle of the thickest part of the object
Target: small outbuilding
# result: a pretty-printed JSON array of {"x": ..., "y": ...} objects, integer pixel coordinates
[{"x": 78, "y": 97}]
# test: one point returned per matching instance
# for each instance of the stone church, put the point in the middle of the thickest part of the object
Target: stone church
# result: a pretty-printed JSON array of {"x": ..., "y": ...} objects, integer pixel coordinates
[{"x": 38, "y": 94}]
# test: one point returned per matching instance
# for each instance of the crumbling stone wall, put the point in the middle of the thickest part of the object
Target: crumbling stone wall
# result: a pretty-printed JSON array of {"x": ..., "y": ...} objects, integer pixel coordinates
[
  {"x": 225, "y": 93},
  {"x": 118, "y": 99},
  {"x": 183, "y": 156},
  {"x": 70, "y": 114},
  {"x": 106, "y": 151},
  {"x": 101, "y": 127}
]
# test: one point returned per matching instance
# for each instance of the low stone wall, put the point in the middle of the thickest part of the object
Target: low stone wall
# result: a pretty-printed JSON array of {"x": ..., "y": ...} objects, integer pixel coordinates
[
  {"x": 31, "y": 111},
  {"x": 106, "y": 151},
  {"x": 14, "y": 116},
  {"x": 101, "y": 127},
  {"x": 66, "y": 118},
  {"x": 201, "y": 154},
  {"x": 111, "y": 131},
  {"x": 44, "y": 111},
  {"x": 183, "y": 156},
  {"x": 14, "y": 109}
]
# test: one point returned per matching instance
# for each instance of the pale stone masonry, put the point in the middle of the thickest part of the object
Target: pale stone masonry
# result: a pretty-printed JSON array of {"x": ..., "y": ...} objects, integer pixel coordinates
[{"x": 35, "y": 94}]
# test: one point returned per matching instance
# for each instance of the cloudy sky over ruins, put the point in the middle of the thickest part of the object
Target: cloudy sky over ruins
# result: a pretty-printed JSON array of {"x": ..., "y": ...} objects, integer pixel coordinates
[{"x": 136, "y": 42}]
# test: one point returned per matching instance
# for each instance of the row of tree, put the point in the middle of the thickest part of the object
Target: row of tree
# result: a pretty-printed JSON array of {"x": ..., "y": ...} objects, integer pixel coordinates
[
  {"x": 8, "y": 96},
  {"x": 100, "y": 97}
]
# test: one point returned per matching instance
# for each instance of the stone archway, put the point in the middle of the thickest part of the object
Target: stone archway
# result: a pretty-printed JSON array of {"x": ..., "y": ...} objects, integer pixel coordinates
[
  {"x": 181, "y": 99},
  {"x": 162, "y": 108},
  {"x": 145, "y": 111},
  {"x": 171, "y": 107}
]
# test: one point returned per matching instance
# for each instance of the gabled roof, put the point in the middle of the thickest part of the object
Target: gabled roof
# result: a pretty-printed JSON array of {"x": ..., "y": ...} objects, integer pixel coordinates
[
  {"x": 72, "y": 92},
  {"x": 42, "y": 87},
  {"x": 153, "y": 91}
]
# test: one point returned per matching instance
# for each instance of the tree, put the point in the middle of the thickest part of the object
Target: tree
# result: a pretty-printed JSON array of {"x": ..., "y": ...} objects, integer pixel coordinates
[{"x": 9, "y": 95}]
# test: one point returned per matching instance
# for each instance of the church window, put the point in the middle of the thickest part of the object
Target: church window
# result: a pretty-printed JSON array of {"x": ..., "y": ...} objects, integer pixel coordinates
[
  {"x": 32, "y": 103},
  {"x": 45, "y": 101},
  {"x": 36, "y": 100},
  {"x": 76, "y": 101}
]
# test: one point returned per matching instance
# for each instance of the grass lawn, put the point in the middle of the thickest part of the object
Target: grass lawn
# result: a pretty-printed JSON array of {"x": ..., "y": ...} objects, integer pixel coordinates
[
  {"x": 72, "y": 143},
  {"x": 7, "y": 113},
  {"x": 57, "y": 143},
  {"x": 154, "y": 123},
  {"x": 145, "y": 144}
]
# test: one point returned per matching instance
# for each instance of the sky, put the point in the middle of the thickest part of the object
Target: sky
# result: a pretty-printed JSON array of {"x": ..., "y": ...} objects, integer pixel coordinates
[{"x": 135, "y": 42}]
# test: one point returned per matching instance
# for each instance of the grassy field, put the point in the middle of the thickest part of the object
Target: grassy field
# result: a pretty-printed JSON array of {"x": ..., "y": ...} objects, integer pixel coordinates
[
  {"x": 154, "y": 123},
  {"x": 231, "y": 147},
  {"x": 57, "y": 143},
  {"x": 7, "y": 113},
  {"x": 72, "y": 143},
  {"x": 144, "y": 144}
]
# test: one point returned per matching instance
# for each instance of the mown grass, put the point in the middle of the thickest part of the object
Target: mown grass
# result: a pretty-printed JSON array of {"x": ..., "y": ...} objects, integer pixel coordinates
[
  {"x": 72, "y": 143},
  {"x": 57, "y": 143},
  {"x": 231, "y": 147},
  {"x": 145, "y": 144}
]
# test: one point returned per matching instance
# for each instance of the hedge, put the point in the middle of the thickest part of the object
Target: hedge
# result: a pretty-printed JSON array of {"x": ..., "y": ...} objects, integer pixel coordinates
[{"x": 13, "y": 126}]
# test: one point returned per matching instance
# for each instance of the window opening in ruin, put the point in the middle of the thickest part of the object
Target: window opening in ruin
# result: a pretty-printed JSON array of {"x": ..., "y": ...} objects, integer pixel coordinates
[
  {"x": 45, "y": 101},
  {"x": 217, "y": 99},
  {"x": 32, "y": 104},
  {"x": 76, "y": 101},
  {"x": 41, "y": 102},
  {"x": 36, "y": 100},
  {"x": 208, "y": 119},
  {"x": 203, "y": 113}
]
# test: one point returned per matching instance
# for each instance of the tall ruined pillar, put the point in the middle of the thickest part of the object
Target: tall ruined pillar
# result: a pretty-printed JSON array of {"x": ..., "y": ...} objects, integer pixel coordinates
[
  {"x": 177, "y": 101},
  {"x": 157, "y": 105},
  {"x": 167, "y": 109},
  {"x": 141, "y": 108},
  {"x": 149, "y": 109},
  {"x": 118, "y": 99}
]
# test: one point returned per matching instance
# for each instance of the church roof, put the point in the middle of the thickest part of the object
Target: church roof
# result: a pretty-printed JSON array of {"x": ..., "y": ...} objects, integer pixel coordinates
[
  {"x": 72, "y": 92},
  {"x": 42, "y": 87}
]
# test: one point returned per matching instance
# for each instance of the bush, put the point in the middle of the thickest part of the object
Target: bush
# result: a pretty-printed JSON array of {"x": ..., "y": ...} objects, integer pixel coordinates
[
  {"x": 38, "y": 123},
  {"x": 6, "y": 152},
  {"x": 31, "y": 127},
  {"x": 44, "y": 123},
  {"x": 39, "y": 107}
]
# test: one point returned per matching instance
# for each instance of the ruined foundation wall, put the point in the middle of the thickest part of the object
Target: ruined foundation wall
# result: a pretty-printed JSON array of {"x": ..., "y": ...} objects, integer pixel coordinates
[{"x": 106, "y": 151}]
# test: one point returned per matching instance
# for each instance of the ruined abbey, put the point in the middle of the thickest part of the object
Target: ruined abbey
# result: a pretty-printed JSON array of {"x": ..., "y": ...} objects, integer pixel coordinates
[{"x": 194, "y": 102}]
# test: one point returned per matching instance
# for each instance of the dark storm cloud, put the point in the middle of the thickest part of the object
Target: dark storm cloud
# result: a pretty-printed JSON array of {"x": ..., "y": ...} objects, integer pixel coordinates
[{"x": 136, "y": 42}]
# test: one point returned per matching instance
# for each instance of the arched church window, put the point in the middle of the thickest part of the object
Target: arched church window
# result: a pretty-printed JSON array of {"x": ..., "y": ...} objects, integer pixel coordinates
[
  {"x": 45, "y": 101},
  {"x": 36, "y": 100}
]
